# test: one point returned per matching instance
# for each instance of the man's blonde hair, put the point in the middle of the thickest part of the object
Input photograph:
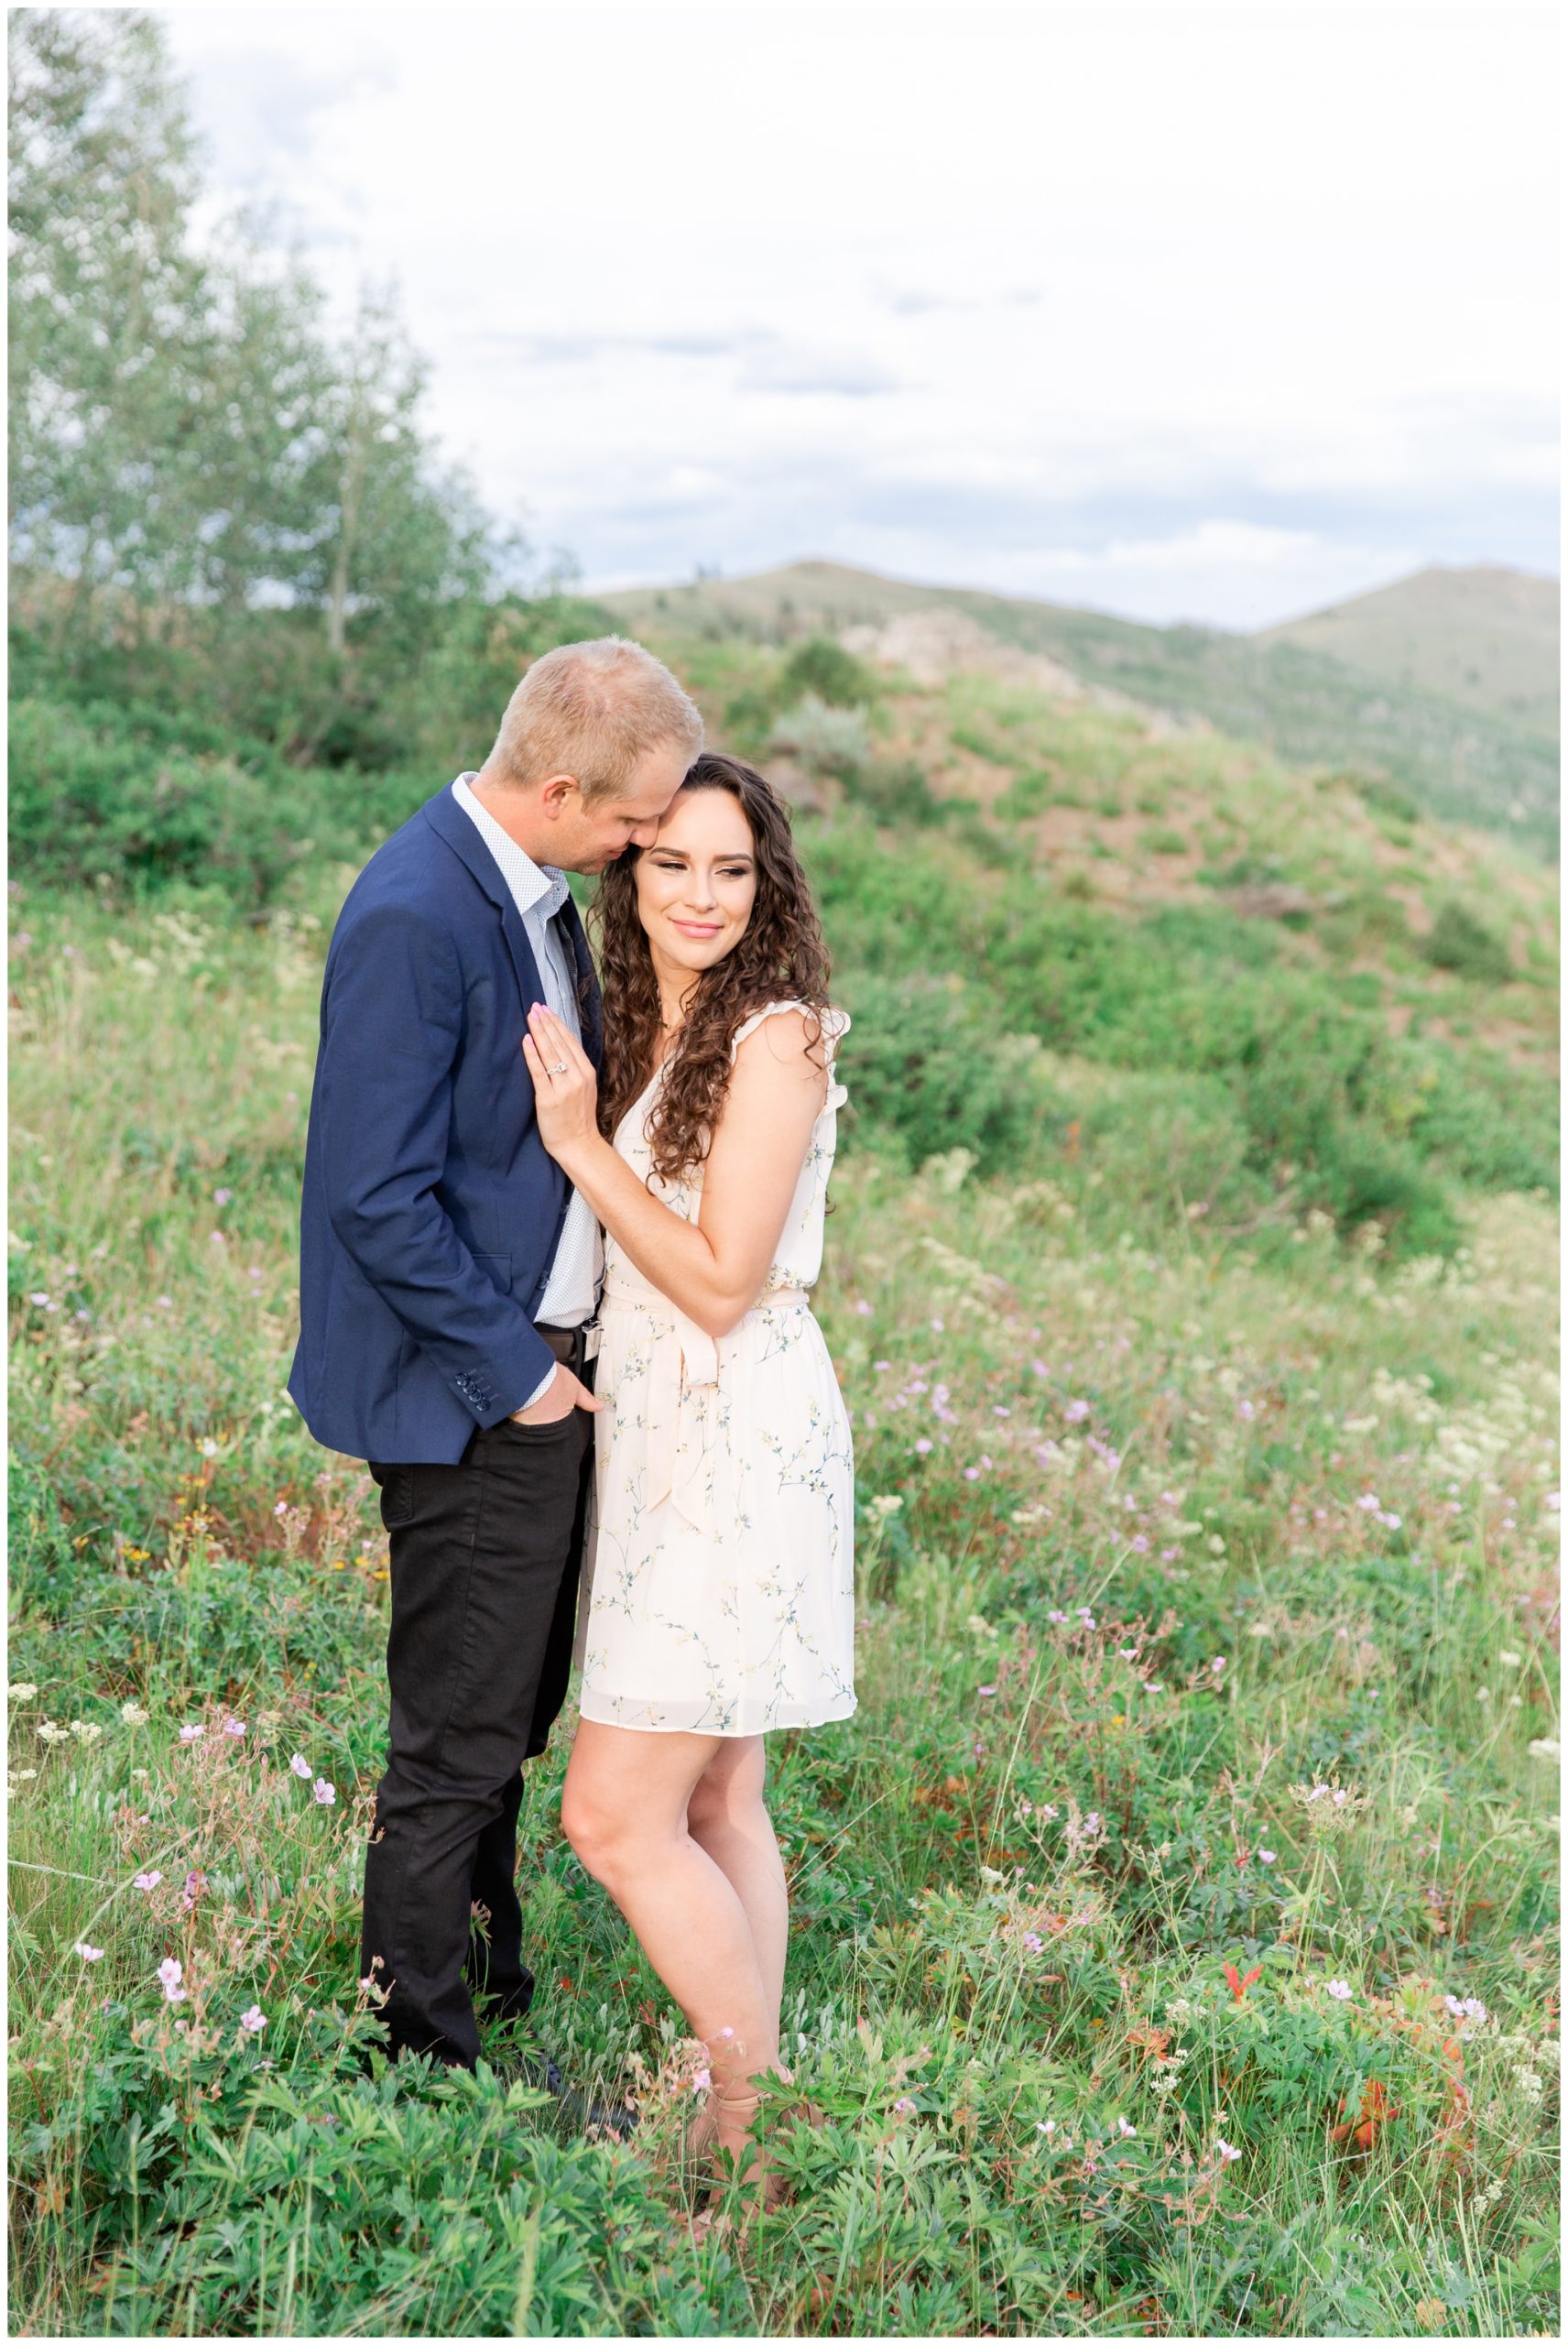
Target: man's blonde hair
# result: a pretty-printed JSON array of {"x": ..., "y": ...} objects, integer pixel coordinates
[{"x": 592, "y": 710}]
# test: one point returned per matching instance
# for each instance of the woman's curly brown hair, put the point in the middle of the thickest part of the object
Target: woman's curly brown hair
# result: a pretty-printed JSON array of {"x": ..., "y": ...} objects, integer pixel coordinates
[{"x": 781, "y": 957}]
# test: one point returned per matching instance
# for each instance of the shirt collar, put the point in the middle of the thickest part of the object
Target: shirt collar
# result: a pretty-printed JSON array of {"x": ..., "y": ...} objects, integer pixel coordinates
[{"x": 531, "y": 883}]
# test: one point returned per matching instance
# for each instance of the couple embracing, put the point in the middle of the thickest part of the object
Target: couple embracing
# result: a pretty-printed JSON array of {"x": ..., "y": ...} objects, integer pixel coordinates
[{"x": 557, "y": 1249}]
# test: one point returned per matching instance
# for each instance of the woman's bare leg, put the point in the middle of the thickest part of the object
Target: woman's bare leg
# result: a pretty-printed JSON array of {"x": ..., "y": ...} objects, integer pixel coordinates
[
  {"x": 624, "y": 1809},
  {"x": 727, "y": 1816}
]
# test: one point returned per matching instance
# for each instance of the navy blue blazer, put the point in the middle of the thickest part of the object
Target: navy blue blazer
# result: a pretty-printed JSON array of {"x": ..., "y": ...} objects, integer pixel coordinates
[{"x": 430, "y": 1209}]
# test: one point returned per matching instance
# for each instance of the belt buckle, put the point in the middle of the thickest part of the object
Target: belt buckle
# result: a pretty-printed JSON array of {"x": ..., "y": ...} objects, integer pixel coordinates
[{"x": 591, "y": 1336}]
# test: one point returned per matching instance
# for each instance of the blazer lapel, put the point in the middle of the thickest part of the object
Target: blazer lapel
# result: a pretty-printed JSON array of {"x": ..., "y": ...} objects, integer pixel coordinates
[{"x": 448, "y": 819}]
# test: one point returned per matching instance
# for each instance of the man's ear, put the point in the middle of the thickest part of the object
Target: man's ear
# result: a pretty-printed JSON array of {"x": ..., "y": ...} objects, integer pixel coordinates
[{"x": 555, "y": 791}]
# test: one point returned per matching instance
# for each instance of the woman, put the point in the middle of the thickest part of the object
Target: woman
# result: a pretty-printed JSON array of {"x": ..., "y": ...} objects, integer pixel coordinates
[{"x": 723, "y": 1584}]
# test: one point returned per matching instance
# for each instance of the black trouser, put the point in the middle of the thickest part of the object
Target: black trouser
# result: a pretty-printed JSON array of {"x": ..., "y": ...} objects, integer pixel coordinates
[{"x": 484, "y": 1576}]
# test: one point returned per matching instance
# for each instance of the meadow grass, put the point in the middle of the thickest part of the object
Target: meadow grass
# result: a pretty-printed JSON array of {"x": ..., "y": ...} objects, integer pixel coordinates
[{"x": 1173, "y": 1923}]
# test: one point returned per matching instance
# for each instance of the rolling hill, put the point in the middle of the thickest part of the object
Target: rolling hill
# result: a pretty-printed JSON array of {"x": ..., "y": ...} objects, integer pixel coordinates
[
  {"x": 1484, "y": 636},
  {"x": 1313, "y": 707}
]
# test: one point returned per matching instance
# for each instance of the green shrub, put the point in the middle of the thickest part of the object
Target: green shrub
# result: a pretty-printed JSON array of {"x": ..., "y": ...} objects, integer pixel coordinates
[
  {"x": 1460, "y": 941},
  {"x": 1027, "y": 795},
  {"x": 927, "y": 1071},
  {"x": 1154, "y": 1146},
  {"x": 896, "y": 791},
  {"x": 1384, "y": 797},
  {"x": 826, "y": 740},
  {"x": 822, "y": 667},
  {"x": 99, "y": 794}
]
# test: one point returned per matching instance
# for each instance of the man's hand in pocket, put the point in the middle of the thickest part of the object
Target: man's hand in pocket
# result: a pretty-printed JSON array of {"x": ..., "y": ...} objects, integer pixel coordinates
[{"x": 557, "y": 1399}]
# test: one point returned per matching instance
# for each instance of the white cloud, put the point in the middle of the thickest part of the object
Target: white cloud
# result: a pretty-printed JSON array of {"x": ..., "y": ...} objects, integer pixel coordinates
[{"x": 1003, "y": 290}]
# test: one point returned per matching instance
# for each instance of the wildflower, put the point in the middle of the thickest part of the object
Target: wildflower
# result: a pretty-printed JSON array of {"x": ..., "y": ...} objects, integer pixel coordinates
[
  {"x": 904, "y": 2106},
  {"x": 984, "y": 1689},
  {"x": 1338, "y": 1989},
  {"x": 253, "y": 2021},
  {"x": 922, "y": 1447},
  {"x": 300, "y": 1766},
  {"x": 146, "y": 1880},
  {"x": 1086, "y": 1616},
  {"x": 222, "y": 1196},
  {"x": 192, "y": 1733},
  {"x": 140, "y": 1775},
  {"x": 702, "y": 2081},
  {"x": 171, "y": 1973},
  {"x": 133, "y": 1713},
  {"x": 1127, "y": 1652},
  {"x": 1545, "y": 1746},
  {"x": 325, "y": 1794},
  {"x": 1139, "y": 1544},
  {"x": 1368, "y": 1502},
  {"x": 40, "y": 1298},
  {"x": 940, "y": 1327},
  {"x": 1510, "y": 1660},
  {"x": 88, "y": 1953},
  {"x": 1046, "y": 2125},
  {"x": 21, "y": 1692},
  {"x": 1033, "y": 1941},
  {"x": 20, "y": 1775},
  {"x": 1056, "y": 1615},
  {"x": 195, "y": 1883},
  {"x": 1125, "y": 2130},
  {"x": 1266, "y": 1856},
  {"x": 1226, "y": 2153},
  {"x": 49, "y": 1732},
  {"x": 84, "y": 1730},
  {"x": 233, "y": 1725},
  {"x": 268, "y": 1719},
  {"x": 166, "y": 1302}
]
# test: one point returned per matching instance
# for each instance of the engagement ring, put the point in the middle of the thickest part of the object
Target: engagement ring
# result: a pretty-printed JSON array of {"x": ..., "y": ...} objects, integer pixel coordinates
[{"x": 558, "y": 1068}]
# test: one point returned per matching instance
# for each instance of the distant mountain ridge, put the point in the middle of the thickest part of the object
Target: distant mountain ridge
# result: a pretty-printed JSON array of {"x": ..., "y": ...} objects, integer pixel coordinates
[
  {"x": 1485, "y": 636},
  {"x": 1460, "y": 761}
]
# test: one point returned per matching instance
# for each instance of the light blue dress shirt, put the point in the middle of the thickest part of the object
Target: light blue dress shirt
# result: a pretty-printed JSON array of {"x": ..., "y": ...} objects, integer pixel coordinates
[{"x": 538, "y": 891}]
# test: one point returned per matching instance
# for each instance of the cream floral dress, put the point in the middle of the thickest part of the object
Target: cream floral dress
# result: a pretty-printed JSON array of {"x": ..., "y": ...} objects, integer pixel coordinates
[{"x": 718, "y": 1586}]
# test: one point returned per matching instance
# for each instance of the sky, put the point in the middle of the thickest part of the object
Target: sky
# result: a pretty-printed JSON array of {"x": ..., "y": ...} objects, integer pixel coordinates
[{"x": 1214, "y": 314}]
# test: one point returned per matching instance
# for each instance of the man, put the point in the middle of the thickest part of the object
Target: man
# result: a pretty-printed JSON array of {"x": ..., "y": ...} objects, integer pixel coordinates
[{"x": 447, "y": 1274}]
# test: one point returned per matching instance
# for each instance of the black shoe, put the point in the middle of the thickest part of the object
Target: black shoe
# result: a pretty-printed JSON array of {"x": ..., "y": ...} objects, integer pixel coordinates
[{"x": 535, "y": 2067}]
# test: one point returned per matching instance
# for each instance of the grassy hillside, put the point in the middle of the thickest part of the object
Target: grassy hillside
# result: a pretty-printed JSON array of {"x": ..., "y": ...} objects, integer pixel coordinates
[
  {"x": 1465, "y": 765},
  {"x": 1485, "y": 637},
  {"x": 1174, "y": 1944}
]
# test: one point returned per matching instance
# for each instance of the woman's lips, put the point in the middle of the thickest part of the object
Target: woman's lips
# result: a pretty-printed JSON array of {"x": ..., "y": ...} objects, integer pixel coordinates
[{"x": 697, "y": 927}]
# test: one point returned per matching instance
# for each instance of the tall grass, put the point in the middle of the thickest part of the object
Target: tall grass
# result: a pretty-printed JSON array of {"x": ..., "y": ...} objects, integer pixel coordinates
[{"x": 1174, "y": 1921}]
